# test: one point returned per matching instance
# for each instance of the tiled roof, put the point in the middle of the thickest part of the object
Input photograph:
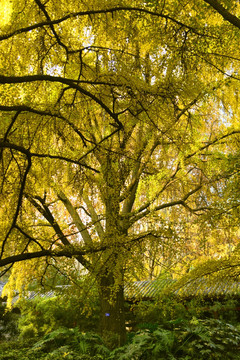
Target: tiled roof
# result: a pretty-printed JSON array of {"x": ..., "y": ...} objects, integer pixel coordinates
[
  {"x": 210, "y": 287},
  {"x": 151, "y": 289},
  {"x": 33, "y": 294},
  {"x": 147, "y": 289},
  {"x": 214, "y": 287}
]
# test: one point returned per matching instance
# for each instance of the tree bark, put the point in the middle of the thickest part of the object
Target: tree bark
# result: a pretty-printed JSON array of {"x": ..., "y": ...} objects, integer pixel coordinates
[{"x": 112, "y": 316}]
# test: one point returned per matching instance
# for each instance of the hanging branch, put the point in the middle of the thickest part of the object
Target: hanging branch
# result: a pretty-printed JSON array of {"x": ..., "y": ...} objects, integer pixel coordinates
[
  {"x": 20, "y": 198},
  {"x": 103, "y": 11},
  {"x": 71, "y": 82}
]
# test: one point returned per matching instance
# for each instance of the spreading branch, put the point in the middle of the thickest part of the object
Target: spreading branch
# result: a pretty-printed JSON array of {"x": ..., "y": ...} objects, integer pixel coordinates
[
  {"x": 29, "y": 154},
  {"x": 43, "y": 209},
  {"x": 75, "y": 217},
  {"x": 73, "y": 253},
  {"x": 232, "y": 19},
  {"x": 95, "y": 12},
  {"x": 19, "y": 202},
  {"x": 70, "y": 82}
]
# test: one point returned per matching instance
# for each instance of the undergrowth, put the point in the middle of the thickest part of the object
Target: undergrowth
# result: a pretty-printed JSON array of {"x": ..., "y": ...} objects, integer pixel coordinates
[{"x": 195, "y": 339}]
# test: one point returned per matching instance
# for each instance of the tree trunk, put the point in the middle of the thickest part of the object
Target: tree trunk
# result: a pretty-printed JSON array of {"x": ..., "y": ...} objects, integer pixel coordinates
[
  {"x": 112, "y": 319},
  {"x": 110, "y": 275}
]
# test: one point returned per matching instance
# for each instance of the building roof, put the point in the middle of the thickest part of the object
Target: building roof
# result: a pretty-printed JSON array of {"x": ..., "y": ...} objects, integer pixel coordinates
[
  {"x": 152, "y": 289},
  {"x": 148, "y": 289},
  {"x": 212, "y": 287},
  {"x": 204, "y": 287}
]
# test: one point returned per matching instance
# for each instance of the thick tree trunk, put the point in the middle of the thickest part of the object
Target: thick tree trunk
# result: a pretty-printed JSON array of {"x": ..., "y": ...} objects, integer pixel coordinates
[
  {"x": 110, "y": 274},
  {"x": 112, "y": 319}
]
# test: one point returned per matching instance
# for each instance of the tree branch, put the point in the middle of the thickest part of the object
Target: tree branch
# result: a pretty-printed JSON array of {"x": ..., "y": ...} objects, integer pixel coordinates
[
  {"x": 181, "y": 202},
  {"x": 44, "y": 210},
  {"x": 73, "y": 253},
  {"x": 39, "y": 254},
  {"x": 214, "y": 141},
  {"x": 70, "y": 82},
  {"x": 19, "y": 203},
  {"x": 232, "y": 19},
  {"x": 75, "y": 217},
  {"x": 94, "y": 217},
  {"x": 93, "y": 12},
  {"x": 43, "y": 9},
  {"x": 8, "y": 145}
]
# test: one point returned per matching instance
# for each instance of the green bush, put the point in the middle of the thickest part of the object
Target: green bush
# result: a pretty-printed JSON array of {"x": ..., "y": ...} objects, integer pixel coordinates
[
  {"x": 63, "y": 343},
  {"x": 8, "y": 322},
  {"x": 43, "y": 315},
  {"x": 71, "y": 344},
  {"x": 164, "y": 312},
  {"x": 225, "y": 310},
  {"x": 197, "y": 339},
  {"x": 208, "y": 339},
  {"x": 169, "y": 311},
  {"x": 147, "y": 345},
  {"x": 15, "y": 350}
]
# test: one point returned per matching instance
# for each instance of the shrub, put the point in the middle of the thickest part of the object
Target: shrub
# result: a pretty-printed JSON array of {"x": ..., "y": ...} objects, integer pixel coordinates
[
  {"x": 147, "y": 345},
  {"x": 43, "y": 315},
  {"x": 8, "y": 323},
  {"x": 169, "y": 311},
  {"x": 211, "y": 339},
  {"x": 61, "y": 344},
  {"x": 196, "y": 339},
  {"x": 89, "y": 344},
  {"x": 164, "y": 312}
]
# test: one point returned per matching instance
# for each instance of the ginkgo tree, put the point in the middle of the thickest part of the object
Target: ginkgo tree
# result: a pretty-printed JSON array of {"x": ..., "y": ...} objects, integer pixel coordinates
[{"x": 112, "y": 114}]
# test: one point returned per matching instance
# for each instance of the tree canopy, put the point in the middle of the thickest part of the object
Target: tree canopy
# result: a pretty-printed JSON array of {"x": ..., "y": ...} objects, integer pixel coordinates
[{"x": 119, "y": 130}]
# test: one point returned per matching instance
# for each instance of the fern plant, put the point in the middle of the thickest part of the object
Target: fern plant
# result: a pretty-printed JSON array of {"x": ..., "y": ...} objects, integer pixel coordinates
[
  {"x": 148, "y": 345},
  {"x": 211, "y": 338},
  {"x": 85, "y": 345}
]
